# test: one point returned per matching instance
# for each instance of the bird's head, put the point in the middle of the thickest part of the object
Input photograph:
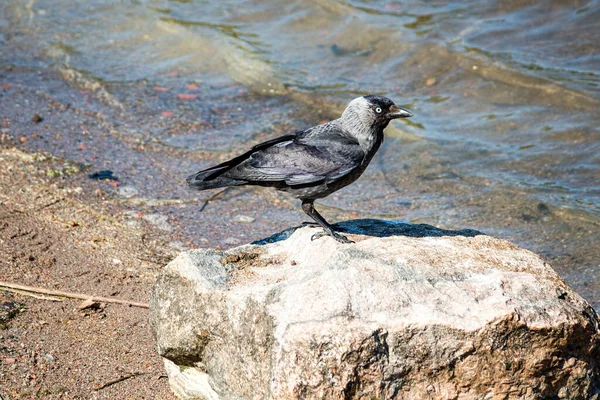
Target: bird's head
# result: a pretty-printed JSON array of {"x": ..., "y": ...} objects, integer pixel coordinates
[{"x": 372, "y": 111}]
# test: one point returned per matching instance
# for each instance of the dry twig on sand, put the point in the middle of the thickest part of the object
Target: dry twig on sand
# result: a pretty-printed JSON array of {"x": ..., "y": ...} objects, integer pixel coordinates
[
  {"x": 36, "y": 292},
  {"x": 121, "y": 379}
]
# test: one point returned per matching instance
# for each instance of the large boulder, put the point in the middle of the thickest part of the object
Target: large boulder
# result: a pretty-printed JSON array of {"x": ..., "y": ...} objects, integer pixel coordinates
[{"x": 407, "y": 312}]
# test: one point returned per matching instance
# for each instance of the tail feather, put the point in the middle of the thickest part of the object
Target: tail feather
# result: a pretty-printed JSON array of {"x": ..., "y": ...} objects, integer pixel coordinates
[{"x": 210, "y": 179}]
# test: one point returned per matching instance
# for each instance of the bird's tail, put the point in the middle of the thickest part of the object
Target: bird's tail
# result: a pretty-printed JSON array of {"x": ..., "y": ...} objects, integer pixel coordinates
[{"x": 210, "y": 179}]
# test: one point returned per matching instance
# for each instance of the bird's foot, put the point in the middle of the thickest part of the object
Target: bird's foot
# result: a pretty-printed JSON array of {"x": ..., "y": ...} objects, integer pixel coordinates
[{"x": 337, "y": 236}]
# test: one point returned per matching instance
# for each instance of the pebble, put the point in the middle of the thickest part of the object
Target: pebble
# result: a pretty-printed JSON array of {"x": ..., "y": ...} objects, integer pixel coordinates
[
  {"x": 543, "y": 209},
  {"x": 132, "y": 223},
  {"x": 48, "y": 357},
  {"x": 178, "y": 245},
  {"x": 159, "y": 220},
  {"x": 88, "y": 304},
  {"x": 243, "y": 218},
  {"x": 128, "y": 191},
  {"x": 231, "y": 240}
]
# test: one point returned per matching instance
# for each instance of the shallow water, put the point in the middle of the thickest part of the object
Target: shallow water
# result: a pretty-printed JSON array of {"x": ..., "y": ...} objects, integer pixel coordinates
[{"x": 505, "y": 137}]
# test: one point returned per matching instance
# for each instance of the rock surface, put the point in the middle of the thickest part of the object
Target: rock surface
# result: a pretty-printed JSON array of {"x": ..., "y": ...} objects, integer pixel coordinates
[{"x": 407, "y": 312}]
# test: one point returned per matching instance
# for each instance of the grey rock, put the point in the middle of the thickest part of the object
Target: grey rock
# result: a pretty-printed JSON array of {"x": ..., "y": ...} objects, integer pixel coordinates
[{"x": 408, "y": 312}]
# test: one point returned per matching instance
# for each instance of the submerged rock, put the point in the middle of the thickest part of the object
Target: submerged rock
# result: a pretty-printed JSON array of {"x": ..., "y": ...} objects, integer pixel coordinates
[{"x": 407, "y": 312}]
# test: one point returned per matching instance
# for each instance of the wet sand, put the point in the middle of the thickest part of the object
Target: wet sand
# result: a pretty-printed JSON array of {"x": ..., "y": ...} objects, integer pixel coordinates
[
  {"x": 59, "y": 230},
  {"x": 58, "y": 233}
]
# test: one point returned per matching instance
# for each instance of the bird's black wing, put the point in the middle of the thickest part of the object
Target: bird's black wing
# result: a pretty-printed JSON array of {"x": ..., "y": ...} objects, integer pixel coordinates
[
  {"x": 307, "y": 158},
  {"x": 218, "y": 170}
]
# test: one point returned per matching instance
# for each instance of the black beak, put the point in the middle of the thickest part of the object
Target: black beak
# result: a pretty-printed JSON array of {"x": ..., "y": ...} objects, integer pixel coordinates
[{"x": 397, "y": 112}]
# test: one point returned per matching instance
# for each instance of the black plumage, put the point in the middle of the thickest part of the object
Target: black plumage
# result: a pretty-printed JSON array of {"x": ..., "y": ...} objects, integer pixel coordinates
[{"x": 312, "y": 163}]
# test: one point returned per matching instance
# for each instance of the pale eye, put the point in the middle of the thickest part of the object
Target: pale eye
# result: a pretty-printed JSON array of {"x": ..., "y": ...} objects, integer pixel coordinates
[{"x": 378, "y": 110}]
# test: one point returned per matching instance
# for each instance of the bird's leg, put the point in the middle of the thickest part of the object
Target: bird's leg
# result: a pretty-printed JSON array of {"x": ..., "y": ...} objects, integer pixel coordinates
[
  {"x": 309, "y": 208},
  {"x": 310, "y": 223}
]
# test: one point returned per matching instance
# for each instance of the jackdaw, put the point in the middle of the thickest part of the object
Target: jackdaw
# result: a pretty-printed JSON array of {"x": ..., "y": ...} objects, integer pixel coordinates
[{"x": 312, "y": 163}]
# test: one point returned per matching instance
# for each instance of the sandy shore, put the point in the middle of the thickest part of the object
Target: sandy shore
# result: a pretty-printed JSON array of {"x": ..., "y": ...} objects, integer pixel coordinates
[
  {"x": 61, "y": 235},
  {"x": 60, "y": 230}
]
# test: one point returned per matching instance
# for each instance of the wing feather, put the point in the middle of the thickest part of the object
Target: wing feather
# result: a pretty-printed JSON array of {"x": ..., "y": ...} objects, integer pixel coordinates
[{"x": 307, "y": 158}]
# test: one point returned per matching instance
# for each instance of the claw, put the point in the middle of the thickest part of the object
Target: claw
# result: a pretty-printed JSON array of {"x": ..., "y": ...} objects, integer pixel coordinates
[
  {"x": 317, "y": 235},
  {"x": 341, "y": 238},
  {"x": 337, "y": 236}
]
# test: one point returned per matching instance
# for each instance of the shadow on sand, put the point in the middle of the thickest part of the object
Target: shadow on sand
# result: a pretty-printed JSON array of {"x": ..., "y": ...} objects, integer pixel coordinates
[{"x": 378, "y": 228}]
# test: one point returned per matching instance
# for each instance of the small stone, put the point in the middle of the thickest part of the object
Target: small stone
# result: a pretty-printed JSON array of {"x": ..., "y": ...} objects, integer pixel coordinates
[
  {"x": 116, "y": 261},
  {"x": 243, "y": 218},
  {"x": 178, "y": 245},
  {"x": 543, "y": 208},
  {"x": 9, "y": 361},
  {"x": 132, "y": 223},
  {"x": 37, "y": 118},
  {"x": 8, "y": 311},
  {"x": 231, "y": 241},
  {"x": 128, "y": 191},
  {"x": 158, "y": 220},
  {"x": 49, "y": 358},
  {"x": 89, "y": 304}
]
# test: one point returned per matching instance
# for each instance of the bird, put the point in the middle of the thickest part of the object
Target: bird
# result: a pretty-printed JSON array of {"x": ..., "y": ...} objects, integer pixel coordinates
[{"x": 311, "y": 164}]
